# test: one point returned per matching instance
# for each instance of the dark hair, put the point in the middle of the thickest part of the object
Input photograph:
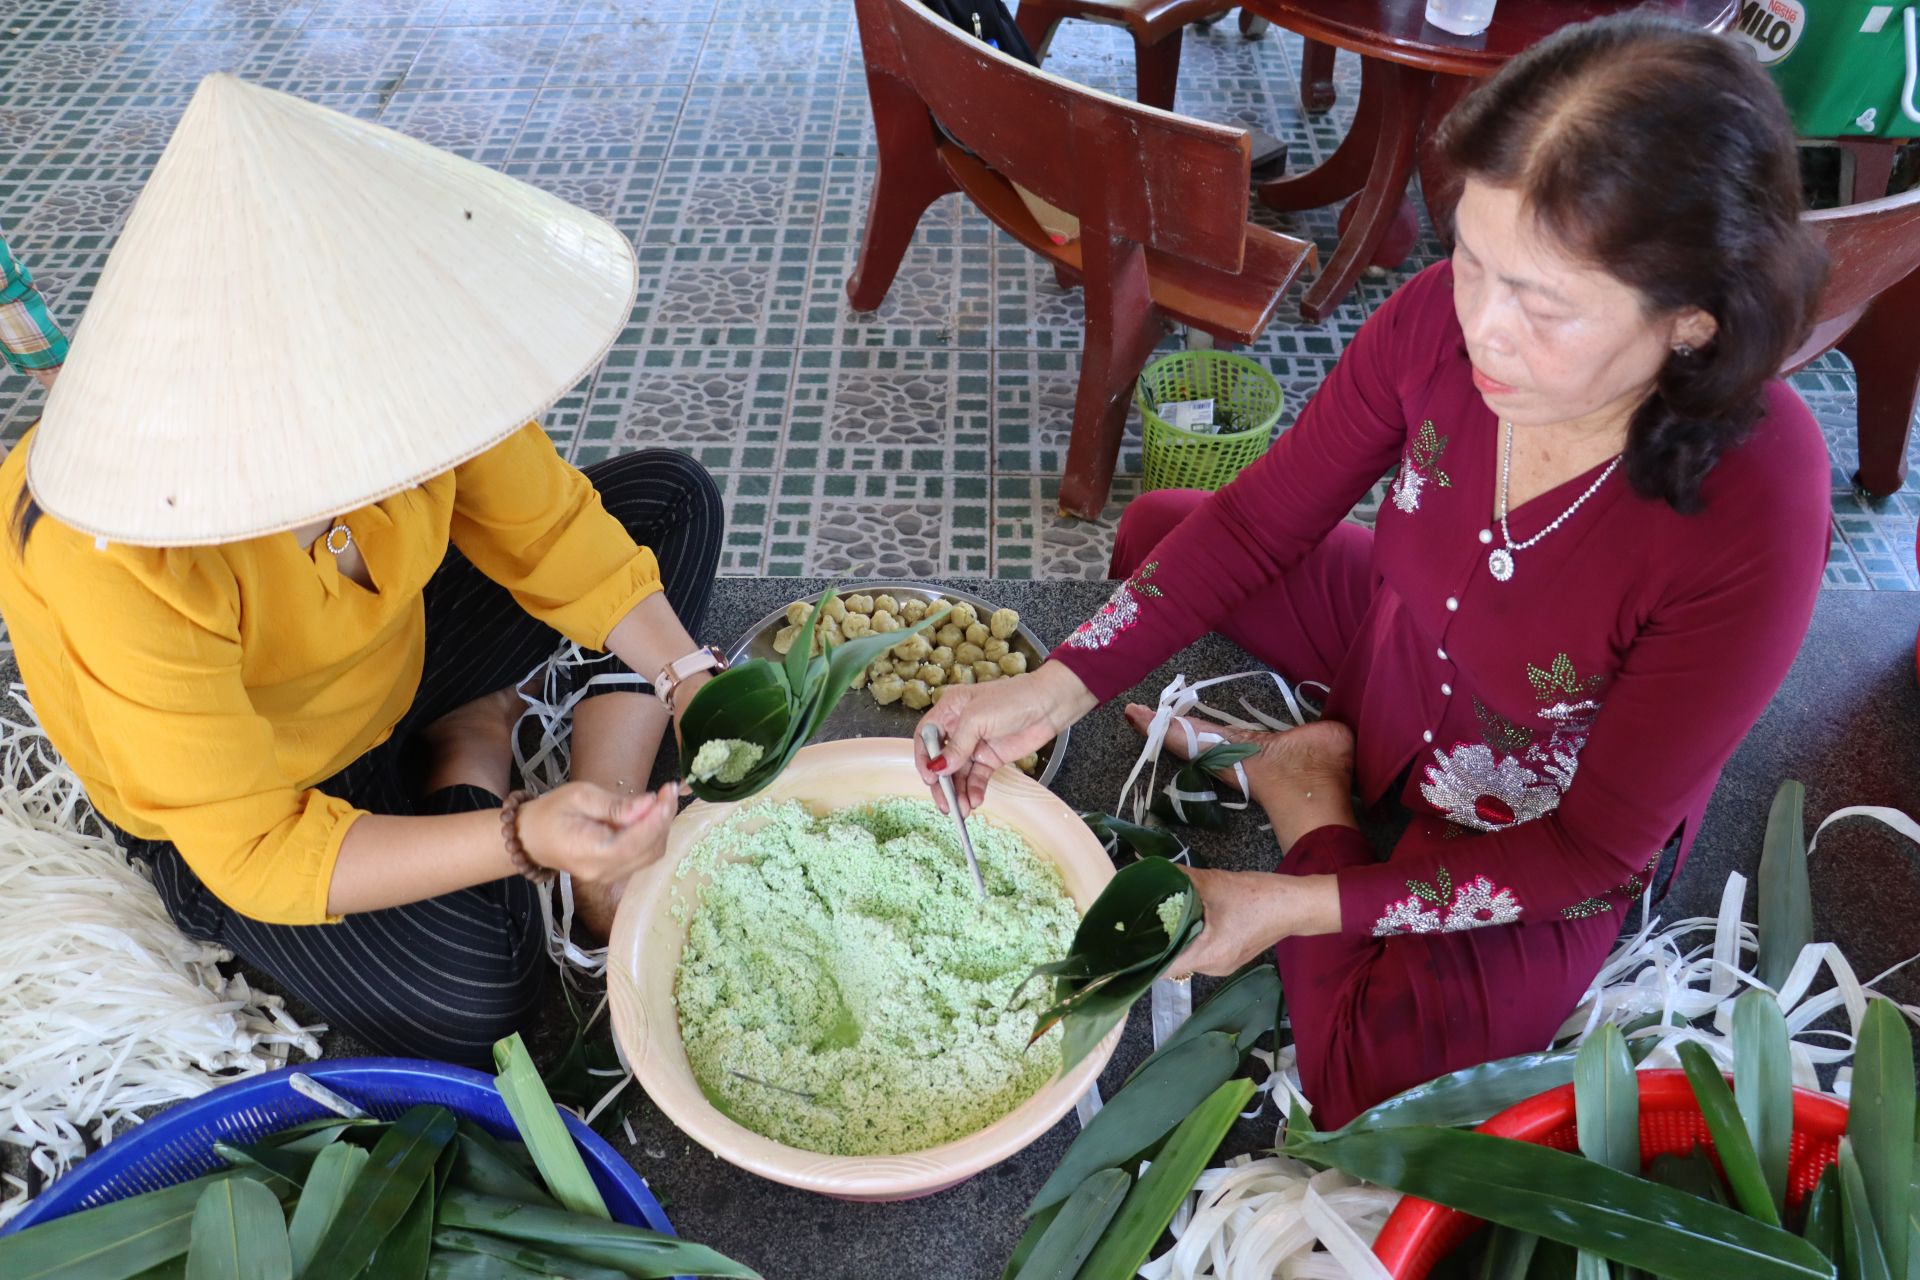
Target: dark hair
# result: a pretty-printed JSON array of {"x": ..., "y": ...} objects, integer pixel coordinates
[{"x": 1663, "y": 155}]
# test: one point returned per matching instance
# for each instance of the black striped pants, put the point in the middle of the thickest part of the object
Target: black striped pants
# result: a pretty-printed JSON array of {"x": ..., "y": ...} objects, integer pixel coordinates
[{"x": 447, "y": 977}]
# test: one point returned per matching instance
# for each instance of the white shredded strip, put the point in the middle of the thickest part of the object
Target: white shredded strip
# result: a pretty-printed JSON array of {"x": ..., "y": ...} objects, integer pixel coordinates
[{"x": 106, "y": 1008}]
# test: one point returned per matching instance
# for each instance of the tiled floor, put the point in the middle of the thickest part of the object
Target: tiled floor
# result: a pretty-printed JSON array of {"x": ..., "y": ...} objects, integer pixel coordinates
[{"x": 737, "y": 152}]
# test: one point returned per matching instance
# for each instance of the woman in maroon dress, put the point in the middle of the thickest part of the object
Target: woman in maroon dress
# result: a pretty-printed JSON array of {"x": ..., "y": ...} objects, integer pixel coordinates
[{"x": 1599, "y": 556}]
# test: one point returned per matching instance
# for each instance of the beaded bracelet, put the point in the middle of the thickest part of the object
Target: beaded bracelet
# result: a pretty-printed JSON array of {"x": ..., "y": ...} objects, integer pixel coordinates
[{"x": 510, "y": 834}]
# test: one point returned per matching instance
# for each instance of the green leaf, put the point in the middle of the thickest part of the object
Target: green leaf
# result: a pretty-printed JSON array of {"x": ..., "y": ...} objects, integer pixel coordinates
[
  {"x": 521, "y": 1256},
  {"x": 542, "y": 1129},
  {"x": 1823, "y": 1214},
  {"x": 482, "y": 1165},
  {"x": 1606, "y": 1099},
  {"x": 1694, "y": 1173},
  {"x": 800, "y": 657},
  {"x": 634, "y": 1250},
  {"x": 334, "y": 1170},
  {"x": 1150, "y": 1206},
  {"x": 1082, "y": 1220},
  {"x": 1508, "y": 1255},
  {"x": 1913, "y": 1225},
  {"x": 278, "y": 1162},
  {"x": 1880, "y": 1120},
  {"x": 1763, "y": 1086},
  {"x": 1592, "y": 1266},
  {"x": 1029, "y": 1240},
  {"x": 1786, "y": 900},
  {"x": 1146, "y": 842},
  {"x": 238, "y": 1233},
  {"x": 1143, "y": 1112},
  {"x": 1862, "y": 1257},
  {"x": 1477, "y": 1094},
  {"x": 380, "y": 1196},
  {"x": 1222, "y": 756},
  {"x": 114, "y": 1241},
  {"x": 451, "y": 1264},
  {"x": 1730, "y": 1140},
  {"x": 403, "y": 1254},
  {"x": 1248, "y": 1004},
  {"x": 1569, "y": 1198}
]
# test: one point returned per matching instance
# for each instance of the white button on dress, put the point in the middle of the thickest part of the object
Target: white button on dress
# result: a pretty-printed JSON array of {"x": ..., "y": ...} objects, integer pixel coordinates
[{"x": 1453, "y": 606}]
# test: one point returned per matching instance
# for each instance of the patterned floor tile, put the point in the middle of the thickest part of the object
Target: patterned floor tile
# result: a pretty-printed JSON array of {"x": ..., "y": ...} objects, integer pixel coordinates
[
  {"x": 307, "y": 63},
  {"x": 375, "y": 13},
  {"x": 486, "y": 58},
  {"x": 725, "y": 406},
  {"x": 772, "y": 52},
  {"x": 624, "y": 122},
  {"x": 941, "y": 296},
  {"x": 71, "y": 18},
  {"x": 41, "y": 72},
  {"x": 723, "y": 121},
  {"x": 746, "y": 293},
  {"x": 735, "y": 201},
  {"x": 654, "y": 10},
  {"x": 1033, "y": 399},
  {"x": 248, "y": 15},
  {"x": 863, "y": 418},
  {"x": 1033, "y": 540},
  {"x": 643, "y": 52},
  {"x": 617, "y": 190},
  {"x": 481, "y": 125},
  {"x": 508, "y": 13}
]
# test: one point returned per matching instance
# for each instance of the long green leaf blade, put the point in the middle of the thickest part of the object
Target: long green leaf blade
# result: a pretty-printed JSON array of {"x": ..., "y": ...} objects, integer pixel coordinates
[
  {"x": 521, "y": 1256},
  {"x": 1082, "y": 1220},
  {"x": 482, "y": 1165},
  {"x": 1880, "y": 1120},
  {"x": 333, "y": 1172},
  {"x": 1591, "y": 1266},
  {"x": 451, "y": 1264},
  {"x": 1823, "y": 1214},
  {"x": 1029, "y": 1240},
  {"x": 403, "y": 1254},
  {"x": 289, "y": 1166},
  {"x": 1763, "y": 1086},
  {"x": 1248, "y": 1005},
  {"x": 1150, "y": 1206},
  {"x": 544, "y": 1132},
  {"x": 634, "y": 1250},
  {"x": 1729, "y": 1132},
  {"x": 1508, "y": 1255},
  {"x": 1786, "y": 899},
  {"x": 1694, "y": 1173},
  {"x": 1144, "y": 1111},
  {"x": 238, "y": 1233},
  {"x": 1607, "y": 1101},
  {"x": 1476, "y": 1094},
  {"x": 380, "y": 1196},
  {"x": 1860, "y": 1250},
  {"x": 1569, "y": 1198},
  {"x": 114, "y": 1241}
]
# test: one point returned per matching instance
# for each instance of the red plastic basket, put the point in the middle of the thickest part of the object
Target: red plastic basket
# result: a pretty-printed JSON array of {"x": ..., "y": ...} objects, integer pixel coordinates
[{"x": 1419, "y": 1233}]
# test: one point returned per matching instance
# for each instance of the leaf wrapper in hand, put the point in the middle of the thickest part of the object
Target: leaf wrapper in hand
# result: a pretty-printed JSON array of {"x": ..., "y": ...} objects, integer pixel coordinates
[
  {"x": 1192, "y": 796},
  {"x": 1122, "y": 945},
  {"x": 776, "y": 707}
]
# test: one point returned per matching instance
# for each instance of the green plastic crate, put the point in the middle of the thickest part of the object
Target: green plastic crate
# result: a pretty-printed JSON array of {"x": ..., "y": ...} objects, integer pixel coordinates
[{"x": 1245, "y": 397}]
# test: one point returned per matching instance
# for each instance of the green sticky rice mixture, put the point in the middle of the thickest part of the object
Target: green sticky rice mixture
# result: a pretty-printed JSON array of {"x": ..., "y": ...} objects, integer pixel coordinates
[
  {"x": 850, "y": 958},
  {"x": 726, "y": 759},
  {"x": 1170, "y": 912}
]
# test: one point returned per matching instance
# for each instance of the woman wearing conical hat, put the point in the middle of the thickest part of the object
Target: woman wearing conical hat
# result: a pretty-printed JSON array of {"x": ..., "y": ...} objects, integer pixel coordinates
[{"x": 287, "y": 538}]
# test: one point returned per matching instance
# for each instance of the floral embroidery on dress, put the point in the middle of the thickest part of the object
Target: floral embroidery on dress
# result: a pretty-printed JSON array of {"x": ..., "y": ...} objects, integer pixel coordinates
[
  {"x": 1119, "y": 614},
  {"x": 1635, "y": 886},
  {"x": 1512, "y": 775},
  {"x": 1471, "y": 906},
  {"x": 1419, "y": 467}
]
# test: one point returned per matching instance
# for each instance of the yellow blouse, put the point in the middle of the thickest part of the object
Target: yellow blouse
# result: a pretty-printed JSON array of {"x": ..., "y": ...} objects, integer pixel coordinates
[{"x": 201, "y": 692}]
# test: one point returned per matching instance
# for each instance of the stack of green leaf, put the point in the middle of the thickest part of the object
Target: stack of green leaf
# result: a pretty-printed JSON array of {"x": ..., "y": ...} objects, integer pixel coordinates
[
  {"x": 1193, "y": 797},
  {"x": 750, "y": 720},
  {"x": 1146, "y": 916},
  {"x": 428, "y": 1195},
  {"x": 1099, "y": 1216},
  {"x": 1596, "y": 1213}
]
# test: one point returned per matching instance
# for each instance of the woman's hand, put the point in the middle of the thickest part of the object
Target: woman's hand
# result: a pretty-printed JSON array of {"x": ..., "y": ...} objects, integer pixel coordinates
[
  {"x": 1247, "y": 912},
  {"x": 596, "y": 835},
  {"x": 986, "y": 726}
]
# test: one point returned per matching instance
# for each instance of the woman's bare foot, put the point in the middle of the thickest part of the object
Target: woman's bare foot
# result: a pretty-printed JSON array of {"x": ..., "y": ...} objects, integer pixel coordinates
[
  {"x": 472, "y": 745},
  {"x": 1303, "y": 777}
]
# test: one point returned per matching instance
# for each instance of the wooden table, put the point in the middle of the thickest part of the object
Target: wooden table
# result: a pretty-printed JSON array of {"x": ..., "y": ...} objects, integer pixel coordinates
[{"x": 1412, "y": 74}]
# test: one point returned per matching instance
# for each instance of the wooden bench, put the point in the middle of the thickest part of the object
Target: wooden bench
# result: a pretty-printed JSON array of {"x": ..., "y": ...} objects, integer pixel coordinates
[{"x": 1162, "y": 202}]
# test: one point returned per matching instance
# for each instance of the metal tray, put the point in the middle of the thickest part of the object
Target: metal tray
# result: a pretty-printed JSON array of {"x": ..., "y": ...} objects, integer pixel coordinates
[{"x": 858, "y": 715}]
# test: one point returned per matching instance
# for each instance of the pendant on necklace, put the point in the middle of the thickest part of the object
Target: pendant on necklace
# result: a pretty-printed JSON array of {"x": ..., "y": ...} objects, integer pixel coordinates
[
  {"x": 1500, "y": 564},
  {"x": 339, "y": 538}
]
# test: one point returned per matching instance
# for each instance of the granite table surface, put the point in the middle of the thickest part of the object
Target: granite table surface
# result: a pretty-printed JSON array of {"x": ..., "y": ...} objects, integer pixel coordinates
[{"x": 1846, "y": 723}]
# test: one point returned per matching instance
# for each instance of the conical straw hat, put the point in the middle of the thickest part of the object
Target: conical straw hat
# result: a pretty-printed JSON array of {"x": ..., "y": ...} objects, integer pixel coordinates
[{"x": 307, "y": 313}]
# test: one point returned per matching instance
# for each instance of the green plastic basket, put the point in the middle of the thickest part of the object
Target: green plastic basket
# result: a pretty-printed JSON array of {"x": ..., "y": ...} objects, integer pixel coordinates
[{"x": 1245, "y": 396}]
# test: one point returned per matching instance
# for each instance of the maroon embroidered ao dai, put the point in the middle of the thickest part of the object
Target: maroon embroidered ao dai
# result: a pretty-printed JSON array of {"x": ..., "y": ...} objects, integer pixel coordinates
[{"x": 1556, "y": 730}]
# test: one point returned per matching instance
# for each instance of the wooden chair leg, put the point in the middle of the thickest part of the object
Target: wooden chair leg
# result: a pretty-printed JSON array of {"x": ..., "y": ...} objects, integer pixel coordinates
[
  {"x": 1252, "y": 25},
  {"x": 1886, "y": 362},
  {"x": 1317, "y": 92},
  {"x": 1037, "y": 22},
  {"x": 1122, "y": 330},
  {"x": 1156, "y": 71},
  {"x": 909, "y": 178}
]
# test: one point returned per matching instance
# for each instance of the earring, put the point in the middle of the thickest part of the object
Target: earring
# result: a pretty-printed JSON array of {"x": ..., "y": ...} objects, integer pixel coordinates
[{"x": 1683, "y": 350}]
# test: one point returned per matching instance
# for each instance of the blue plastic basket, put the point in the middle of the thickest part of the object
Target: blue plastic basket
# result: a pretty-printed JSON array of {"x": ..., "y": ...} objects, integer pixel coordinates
[{"x": 177, "y": 1145}]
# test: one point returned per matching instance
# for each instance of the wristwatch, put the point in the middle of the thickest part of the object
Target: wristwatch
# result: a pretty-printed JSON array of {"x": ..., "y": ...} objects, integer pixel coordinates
[{"x": 707, "y": 659}]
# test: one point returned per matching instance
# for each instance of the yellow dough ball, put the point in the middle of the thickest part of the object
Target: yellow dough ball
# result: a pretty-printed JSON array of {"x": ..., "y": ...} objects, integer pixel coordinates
[
  {"x": 960, "y": 675},
  {"x": 860, "y": 604},
  {"x": 859, "y": 679},
  {"x": 984, "y": 671},
  {"x": 1014, "y": 664},
  {"x": 914, "y": 648},
  {"x": 969, "y": 653},
  {"x": 931, "y": 675},
  {"x": 856, "y": 625},
  {"x": 978, "y": 634},
  {"x": 837, "y": 609},
  {"x": 888, "y": 603},
  {"x": 950, "y": 636},
  {"x": 1028, "y": 764},
  {"x": 963, "y": 615},
  {"x": 994, "y": 650},
  {"x": 798, "y": 612},
  {"x": 883, "y": 620},
  {"x": 783, "y": 639},
  {"x": 1003, "y": 623},
  {"x": 917, "y": 695},
  {"x": 913, "y": 610},
  {"x": 942, "y": 656},
  {"x": 888, "y": 690}
]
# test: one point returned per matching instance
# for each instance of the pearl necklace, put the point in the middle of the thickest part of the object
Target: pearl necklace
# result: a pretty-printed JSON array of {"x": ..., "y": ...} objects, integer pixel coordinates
[{"x": 1500, "y": 559}]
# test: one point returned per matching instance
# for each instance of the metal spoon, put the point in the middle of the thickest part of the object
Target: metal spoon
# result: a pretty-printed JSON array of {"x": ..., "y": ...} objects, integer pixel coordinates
[{"x": 931, "y": 740}]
